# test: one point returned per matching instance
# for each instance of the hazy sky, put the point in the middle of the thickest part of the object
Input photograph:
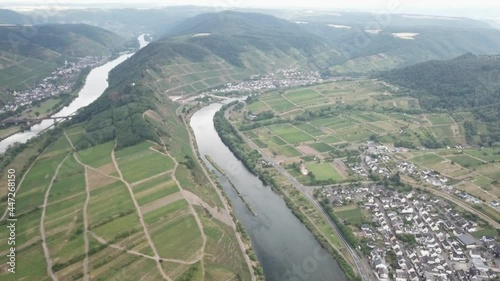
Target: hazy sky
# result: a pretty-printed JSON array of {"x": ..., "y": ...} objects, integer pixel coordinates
[{"x": 476, "y": 8}]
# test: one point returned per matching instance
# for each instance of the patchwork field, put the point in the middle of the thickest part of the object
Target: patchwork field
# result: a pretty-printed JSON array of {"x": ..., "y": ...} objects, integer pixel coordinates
[{"x": 101, "y": 213}]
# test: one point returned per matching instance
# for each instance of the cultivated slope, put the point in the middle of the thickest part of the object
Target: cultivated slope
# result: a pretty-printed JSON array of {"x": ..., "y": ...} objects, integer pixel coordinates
[
  {"x": 226, "y": 46},
  {"x": 374, "y": 42},
  {"x": 465, "y": 84}
]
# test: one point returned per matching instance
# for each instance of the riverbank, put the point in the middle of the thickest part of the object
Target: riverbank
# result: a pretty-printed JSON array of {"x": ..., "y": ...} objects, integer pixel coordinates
[
  {"x": 241, "y": 234},
  {"x": 249, "y": 158}
]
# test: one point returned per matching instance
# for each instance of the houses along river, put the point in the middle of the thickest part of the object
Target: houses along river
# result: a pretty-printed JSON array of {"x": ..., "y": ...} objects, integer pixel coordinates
[
  {"x": 95, "y": 85},
  {"x": 286, "y": 249}
]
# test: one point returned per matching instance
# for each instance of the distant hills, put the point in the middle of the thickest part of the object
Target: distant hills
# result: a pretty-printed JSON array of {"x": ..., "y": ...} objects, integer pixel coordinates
[
  {"x": 12, "y": 17},
  {"x": 468, "y": 83},
  {"x": 30, "y": 53},
  {"x": 76, "y": 40},
  {"x": 245, "y": 41},
  {"x": 372, "y": 42}
]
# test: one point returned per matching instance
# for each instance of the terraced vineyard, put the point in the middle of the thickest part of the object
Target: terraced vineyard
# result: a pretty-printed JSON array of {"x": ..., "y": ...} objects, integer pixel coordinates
[{"x": 101, "y": 213}]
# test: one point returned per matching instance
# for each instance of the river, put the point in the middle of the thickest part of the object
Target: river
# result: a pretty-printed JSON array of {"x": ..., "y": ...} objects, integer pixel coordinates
[
  {"x": 95, "y": 84},
  {"x": 286, "y": 249}
]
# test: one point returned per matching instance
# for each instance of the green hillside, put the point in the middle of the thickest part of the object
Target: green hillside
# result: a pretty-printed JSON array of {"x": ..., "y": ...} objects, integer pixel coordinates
[
  {"x": 11, "y": 17},
  {"x": 24, "y": 60},
  {"x": 225, "y": 47},
  {"x": 370, "y": 42},
  {"x": 466, "y": 84}
]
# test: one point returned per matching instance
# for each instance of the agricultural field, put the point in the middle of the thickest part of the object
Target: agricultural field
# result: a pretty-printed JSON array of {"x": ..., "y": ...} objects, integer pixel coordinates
[
  {"x": 324, "y": 171},
  {"x": 115, "y": 210},
  {"x": 351, "y": 213}
]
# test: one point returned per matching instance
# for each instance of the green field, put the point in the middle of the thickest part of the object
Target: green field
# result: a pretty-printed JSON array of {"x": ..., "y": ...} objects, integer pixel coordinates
[
  {"x": 486, "y": 154},
  {"x": 443, "y": 131},
  {"x": 354, "y": 215},
  {"x": 132, "y": 161},
  {"x": 321, "y": 147},
  {"x": 279, "y": 104},
  {"x": 324, "y": 171},
  {"x": 427, "y": 160},
  {"x": 466, "y": 161},
  {"x": 331, "y": 139},
  {"x": 308, "y": 128},
  {"x": 258, "y": 107},
  {"x": 287, "y": 150},
  {"x": 303, "y": 96},
  {"x": 178, "y": 239},
  {"x": 98, "y": 155},
  {"x": 290, "y": 134},
  {"x": 440, "y": 119}
]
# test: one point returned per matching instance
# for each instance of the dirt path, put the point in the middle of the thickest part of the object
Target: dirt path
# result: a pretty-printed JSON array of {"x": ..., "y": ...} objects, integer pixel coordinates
[
  {"x": 85, "y": 212},
  {"x": 133, "y": 252},
  {"x": 193, "y": 211},
  {"x": 150, "y": 178},
  {"x": 42, "y": 225},
  {"x": 141, "y": 217},
  {"x": 162, "y": 202},
  {"x": 222, "y": 214}
]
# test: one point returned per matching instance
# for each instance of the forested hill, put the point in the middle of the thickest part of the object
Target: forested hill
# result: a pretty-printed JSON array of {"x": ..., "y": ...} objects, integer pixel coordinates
[
  {"x": 262, "y": 31},
  {"x": 11, "y": 17},
  {"x": 65, "y": 39},
  {"x": 239, "y": 42},
  {"x": 468, "y": 83}
]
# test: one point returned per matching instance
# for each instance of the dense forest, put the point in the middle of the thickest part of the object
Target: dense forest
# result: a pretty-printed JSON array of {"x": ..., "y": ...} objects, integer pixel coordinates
[
  {"x": 468, "y": 84},
  {"x": 118, "y": 114}
]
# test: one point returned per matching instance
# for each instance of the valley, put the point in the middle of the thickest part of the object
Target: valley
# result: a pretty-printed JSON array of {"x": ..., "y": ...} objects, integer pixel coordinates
[{"x": 238, "y": 145}]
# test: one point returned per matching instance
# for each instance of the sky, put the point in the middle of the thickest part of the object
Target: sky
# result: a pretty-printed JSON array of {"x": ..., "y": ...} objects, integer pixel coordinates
[{"x": 467, "y": 8}]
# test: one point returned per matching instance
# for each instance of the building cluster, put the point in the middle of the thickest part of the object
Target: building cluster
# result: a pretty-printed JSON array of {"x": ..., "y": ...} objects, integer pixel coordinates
[
  {"x": 60, "y": 81},
  {"x": 378, "y": 160},
  {"x": 279, "y": 79},
  {"x": 414, "y": 236}
]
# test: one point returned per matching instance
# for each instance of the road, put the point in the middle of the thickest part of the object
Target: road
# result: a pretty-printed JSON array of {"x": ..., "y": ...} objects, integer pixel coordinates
[{"x": 307, "y": 191}]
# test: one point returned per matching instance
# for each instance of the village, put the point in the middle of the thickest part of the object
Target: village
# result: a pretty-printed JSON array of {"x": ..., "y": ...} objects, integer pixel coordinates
[
  {"x": 415, "y": 236},
  {"x": 60, "y": 81},
  {"x": 379, "y": 159},
  {"x": 279, "y": 79}
]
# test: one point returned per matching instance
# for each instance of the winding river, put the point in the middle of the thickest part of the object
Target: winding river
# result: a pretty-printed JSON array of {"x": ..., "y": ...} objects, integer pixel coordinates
[
  {"x": 95, "y": 84},
  {"x": 286, "y": 249}
]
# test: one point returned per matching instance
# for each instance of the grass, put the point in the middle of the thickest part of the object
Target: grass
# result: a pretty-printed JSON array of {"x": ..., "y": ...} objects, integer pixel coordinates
[
  {"x": 427, "y": 160},
  {"x": 108, "y": 202},
  {"x": 324, "y": 171},
  {"x": 466, "y": 161},
  {"x": 258, "y": 107},
  {"x": 290, "y": 134},
  {"x": 156, "y": 194},
  {"x": 330, "y": 139},
  {"x": 288, "y": 151},
  {"x": 280, "y": 104},
  {"x": 304, "y": 95},
  {"x": 163, "y": 213},
  {"x": 98, "y": 155},
  {"x": 60, "y": 146},
  {"x": 139, "y": 162},
  {"x": 489, "y": 231},
  {"x": 179, "y": 239},
  {"x": 163, "y": 179},
  {"x": 485, "y": 154},
  {"x": 354, "y": 215},
  {"x": 321, "y": 147},
  {"x": 310, "y": 129},
  {"x": 118, "y": 225},
  {"x": 440, "y": 119},
  {"x": 443, "y": 131}
]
